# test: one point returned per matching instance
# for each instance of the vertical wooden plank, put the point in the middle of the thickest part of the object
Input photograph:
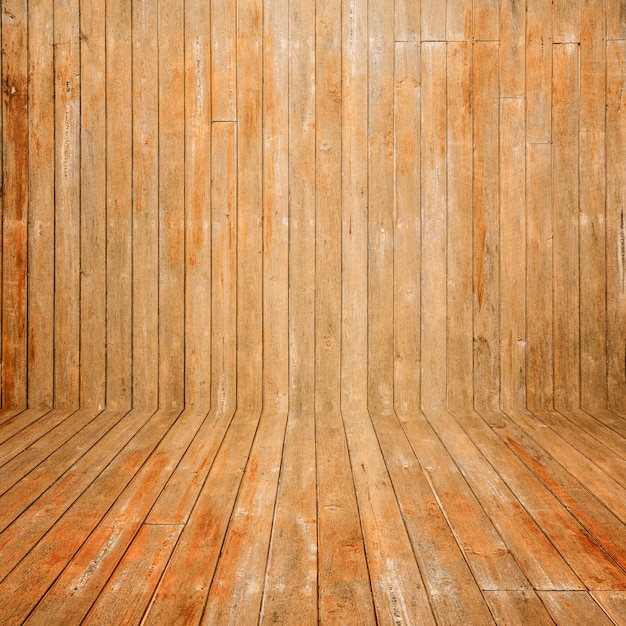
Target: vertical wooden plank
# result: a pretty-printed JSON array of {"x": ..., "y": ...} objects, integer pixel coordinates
[
  {"x": 118, "y": 204},
  {"x": 486, "y": 245},
  {"x": 407, "y": 234},
  {"x": 434, "y": 16},
  {"x": 41, "y": 206},
  {"x": 460, "y": 20},
  {"x": 616, "y": 223},
  {"x": 380, "y": 208},
  {"x": 486, "y": 20},
  {"x": 434, "y": 226},
  {"x": 512, "y": 252},
  {"x": 459, "y": 231},
  {"x": 93, "y": 205},
  {"x": 616, "y": 19},
  {"x": 250, "y": 207},
  {"x": 328, "y": 207},
  {"x": 171, "y": 204},
  {"x": 593, "y": 372},
  {"x": 67, "y": 203},
  {"x": 224, "y": 60},
  {"x": 275, "y": 206},
  {"x": 354, "y": 206},
  {"x": 197, "y": 205},
  {"x": 145, "y": 204},
  {"x": 15, "y": 207},
  {"x": 566, "y": 20},
  {"x": 224, "y": 264},
  {"x": 408, "y": 18},
  {"x": 593, "y": 66},
  {"x": 539, "y": 375},
  {"x": 301, "y": 207},
  {"x": 512, "y": 48},
  {"x": 538, "y": 71},
  {"x": 565, "y": 108}
]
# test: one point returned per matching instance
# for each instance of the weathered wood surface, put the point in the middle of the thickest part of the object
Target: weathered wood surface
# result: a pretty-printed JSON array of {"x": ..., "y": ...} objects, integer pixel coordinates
[{"x": 313, "y": 311}]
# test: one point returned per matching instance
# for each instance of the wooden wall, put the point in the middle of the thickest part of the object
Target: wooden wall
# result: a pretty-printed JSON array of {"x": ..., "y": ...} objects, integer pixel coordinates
[{"x": 313, "y": 204}]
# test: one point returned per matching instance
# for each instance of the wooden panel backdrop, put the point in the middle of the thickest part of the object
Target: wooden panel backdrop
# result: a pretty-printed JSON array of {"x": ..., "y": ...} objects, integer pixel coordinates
[{"x": 313, "y": 205}]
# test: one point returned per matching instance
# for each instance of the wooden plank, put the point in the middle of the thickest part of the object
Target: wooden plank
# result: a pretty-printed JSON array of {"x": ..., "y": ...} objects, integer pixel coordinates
[
  {"x": 512, "y": 254},
  {"x": 344, "y": 592},
  {"x": 512, "y": 48},
  {"x": 517, "y": 607},
  {"x": 397, "y": 586},
  {"x": 328, "y": 207},
  {"x": 453, "y": 591},
  {"x": 171, "y": 205},
  {"x": 14, "y": 422},
  {"x": 275, "y": 206},
  {"x": 15, "y": 203},
  {"x": 486, "y": 20},
  {"x": 302, "y": 160},
  {"x": 539, "y": 66},
  {"x": 67, "y": 203},
  {"x": 459, "y": 21},
  {"x": 593, "y": 66},
  {"x": 613, "y": 603},
  {"x": 145, "y": 205},
  {"x": 488, "y": 556},
  {"x": 434, "y": 227},
  {"x": 354, "y": 206},
  {"x": 407, "y": 234},
  {"x": 93, "y": 204},
  {"x": 224, "y": 264},
  {"x": 434, "y": 17},
  {"x": 575, "y": 607},
  {"x": 539, "y": 374},
  {"x": 486, "y": 240},
  {"x": 47, "y": 560},
  {"x": 565, "y": 209},
  {"x": 41, "y": 205},
  {"x": 139, "y": 572},
  {"x": 592, "y": 226},
  {"x": 224, "y": 61},
  {"x": 616, "y": 22},
  {"x": 616, "y": 225},
  {"x": 566, "y": 16},
  {"x": 407, "y": 21},
  {"x": 250, "y": 206},
  {"x": 459, "y": 233},
  {"x": 119, "y": 262},
  {"x": 237, "y": 586}
]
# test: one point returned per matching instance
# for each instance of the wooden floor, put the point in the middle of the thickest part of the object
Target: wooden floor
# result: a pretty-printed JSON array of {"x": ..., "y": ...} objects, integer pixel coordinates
[{"x": 359, "y": 518}]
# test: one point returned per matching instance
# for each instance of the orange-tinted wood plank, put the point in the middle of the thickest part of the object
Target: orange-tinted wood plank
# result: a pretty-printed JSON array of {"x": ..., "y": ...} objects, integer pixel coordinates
[
  {"x": 223, "y": 23},
  {"x": 575, "y": 607},
  {"x": 512, "y": 48},
  {"x": 517, "y": 607}
]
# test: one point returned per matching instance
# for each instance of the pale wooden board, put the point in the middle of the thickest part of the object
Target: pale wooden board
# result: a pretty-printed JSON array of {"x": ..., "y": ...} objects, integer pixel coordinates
[
  {"x": 540, "y": 350},
  {"x": 593, "y": 25},
  {"x": 512, "y": 253},
  {"x": 15, "y": 203},
  {"x": 223, "y": 24},
  {"x": 407, "y": 21},
  {"x": 434, "y": 17},
  {"x": 577, "y": 608},
  {"x": 119, "y": 262},
  {"x": 486, "y": 220},
  {"x": 459, "y": 232},
  {"x": 616, "y": 225},
  {"x": 459, "y": 21},
  {"x": 592, "y": 230},
  {"x": 566, "y": 17},
  {"x": 145, "y": 205},
  {"x": 171, "y": 233},
  {"x": 565, "y": 210},
  {"x": 354, "y": 206},
  {"x": 41, "y": 206},
  {"x": 486, "y": 20},
  {"x": 434, "y": 224},
  {"x": 67, "y": 94},
  {"x": 407, "y": 234},
  {"x": 616, "y": 19},
  {"x": 613, "y": 603},
  {"x": 517, "y": 608},
  {"x": 512, "y": 49}
]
